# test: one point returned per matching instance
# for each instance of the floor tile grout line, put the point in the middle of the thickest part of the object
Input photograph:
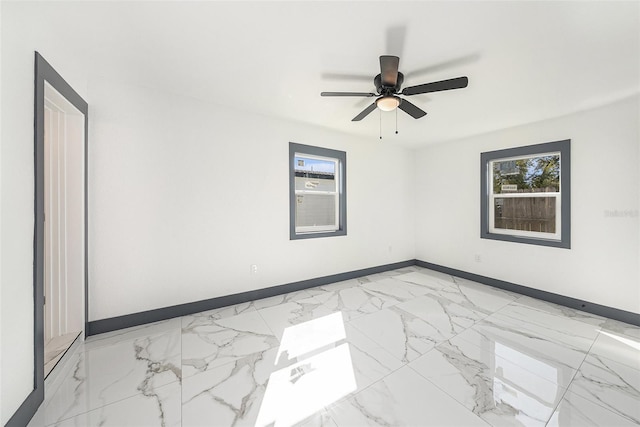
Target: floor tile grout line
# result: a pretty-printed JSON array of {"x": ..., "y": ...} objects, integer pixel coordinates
[
  {"x": 140, "y": 393},
  {"x": 588, "y": 353},
  {"x": 561, "y": 315},
  {"x": 573, "y": 378},
  {"x": 444, "y": 391},
  {"x": 524, "y": 368},
  {"x": 564, "y": 389},
  {"x": 542, "y": 331}
]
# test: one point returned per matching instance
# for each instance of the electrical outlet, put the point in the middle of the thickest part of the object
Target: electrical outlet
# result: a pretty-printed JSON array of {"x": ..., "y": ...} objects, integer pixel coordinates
[
  {"x": 254, "y": 268},
  {"x": 390, "y": 248},
  {"x": 477, "y": 258}
]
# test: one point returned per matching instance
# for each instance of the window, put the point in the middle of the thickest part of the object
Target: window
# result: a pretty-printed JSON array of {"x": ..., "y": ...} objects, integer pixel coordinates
[
  {"x": 525, "y": 194},
  {"x": 317, "y": 192}
]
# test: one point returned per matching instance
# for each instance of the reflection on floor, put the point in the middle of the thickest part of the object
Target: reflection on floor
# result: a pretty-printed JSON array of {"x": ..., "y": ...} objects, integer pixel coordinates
[
  {"x": 407, "y": 347},
  {"x": 55, "y": 348}
]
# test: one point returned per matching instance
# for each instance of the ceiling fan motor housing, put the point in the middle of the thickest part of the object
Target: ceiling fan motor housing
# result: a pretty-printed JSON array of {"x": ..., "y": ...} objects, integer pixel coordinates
[{"x": 388, "y": 90}]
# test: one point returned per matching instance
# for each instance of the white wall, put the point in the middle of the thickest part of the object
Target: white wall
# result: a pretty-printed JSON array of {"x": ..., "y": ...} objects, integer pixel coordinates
[
  {"x": 184, "y": 196},
  {"x": 602, "y": 264}
]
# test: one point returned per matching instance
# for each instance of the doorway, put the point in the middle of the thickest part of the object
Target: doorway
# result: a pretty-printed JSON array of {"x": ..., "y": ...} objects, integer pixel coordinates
[
  {"x": 45, "y": 75},
  {"x": 63, "y": 226}
]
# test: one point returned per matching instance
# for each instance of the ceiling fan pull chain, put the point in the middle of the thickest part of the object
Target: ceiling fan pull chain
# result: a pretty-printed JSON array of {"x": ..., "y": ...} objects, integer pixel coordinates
[
  {"x": 380, "y": 115},
  {"x": 396, "y": 121}
]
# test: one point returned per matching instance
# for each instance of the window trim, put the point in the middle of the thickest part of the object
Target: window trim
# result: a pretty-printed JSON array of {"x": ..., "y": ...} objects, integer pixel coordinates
[
  {"x": 563, "y": 197},
  {"x": 341, "y": 174}
]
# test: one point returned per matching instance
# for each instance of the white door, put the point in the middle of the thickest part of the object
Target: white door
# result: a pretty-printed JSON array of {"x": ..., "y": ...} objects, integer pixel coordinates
[{"x": 64, "y": 216}]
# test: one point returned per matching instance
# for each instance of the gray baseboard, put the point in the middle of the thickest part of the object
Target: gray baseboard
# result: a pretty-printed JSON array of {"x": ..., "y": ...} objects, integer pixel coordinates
[
  {"x": 589, "y": 307},
  {"x": 114, "y": 323},
  {"x": 135, "y": 319}
]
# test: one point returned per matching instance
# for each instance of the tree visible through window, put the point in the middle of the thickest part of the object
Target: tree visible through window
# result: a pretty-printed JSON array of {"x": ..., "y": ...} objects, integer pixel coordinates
[{"x": 523, "y": 194}]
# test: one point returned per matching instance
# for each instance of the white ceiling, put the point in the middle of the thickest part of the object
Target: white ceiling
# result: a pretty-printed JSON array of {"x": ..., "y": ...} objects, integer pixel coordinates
[{"x": 526, "y": 61}]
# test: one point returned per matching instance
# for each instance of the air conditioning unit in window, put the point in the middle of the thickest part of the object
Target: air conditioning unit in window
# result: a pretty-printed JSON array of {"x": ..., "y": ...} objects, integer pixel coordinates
[{"x": 316, "y": 212}]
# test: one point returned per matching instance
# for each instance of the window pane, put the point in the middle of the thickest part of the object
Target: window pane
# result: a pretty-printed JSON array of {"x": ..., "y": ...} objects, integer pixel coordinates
[
  {"x": 314, "y": 174},
  {"x": 527, "y": 175},
  {"x": 304, "y": 183},
  {"x": 317, "y": 192},
  {"x": 526, "y": 213},
  {"x": 315, "y": 210}
]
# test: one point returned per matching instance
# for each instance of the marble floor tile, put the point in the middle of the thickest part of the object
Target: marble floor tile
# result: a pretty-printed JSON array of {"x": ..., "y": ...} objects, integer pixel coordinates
[
  {"x": 620, "y": 328},
  {"x": 404, "y": 335},
  {"x": 371, "y": 361},
  {"x": 224, "y": 312},
  {"x": 449, "y": 317},
  {"x": 618, "y": 347},
  {"x": 447, "y": 278},
  {"x": 107, "y": 374},
  {"x": 493, "y": 388},
  {"x": 528, "y": 351},
  {"x": 337, "y": 286},
  {"x": 319, "y": 419},
  {"x": 292, "y": 313},
  {"x": 230, "y": 394},
  {"x": 208, "y": 343},
  {"x": 135, "y": 332},
  {"x": 280, "y": 299},
  {"x": 389, "y": 273},
  {"x": 395, "y": 289},
  {"x": 161, "y": 407},
  {"x": 576, "y": 411},
  {"x": 403, "y": 398},
  {"x": 532, "y": 339},
  {"x": 605, "y": 324},
  {"x": 482, "y": 298},
  {"x": 611, "y": 385},
  {"x": 581, "y": 334},
  {"x": 310, "y": 338},
  {"x": 428, "y": 281},
  {"x": 298, "y": 391},
  {"x": 560, "y": 310},
  {"x": 267, "y": 389},
  {"x": 352, "y": 301}
]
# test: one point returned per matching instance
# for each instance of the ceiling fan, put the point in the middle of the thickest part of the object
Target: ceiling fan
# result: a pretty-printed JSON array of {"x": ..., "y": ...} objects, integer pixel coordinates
[{"x": 388, "y": 84}]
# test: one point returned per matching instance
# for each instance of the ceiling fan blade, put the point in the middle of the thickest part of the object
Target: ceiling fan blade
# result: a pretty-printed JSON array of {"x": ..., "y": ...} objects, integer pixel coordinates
[
  {"x": 345, "y": 76},
  {"x": 395, "y": 39},
  {"x": 444, "y": 65},
  {"x": 411, "y": 109},
  {"x": 347, "y": 94},
  {"x": 389, "y": 69},
  {"x": 457, "y": 83},
  {"x": 364, "y": 113}
]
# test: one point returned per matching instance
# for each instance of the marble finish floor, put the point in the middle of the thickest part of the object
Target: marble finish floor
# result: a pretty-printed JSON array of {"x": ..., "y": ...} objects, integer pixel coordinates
[{"x": 407, "y": 347}]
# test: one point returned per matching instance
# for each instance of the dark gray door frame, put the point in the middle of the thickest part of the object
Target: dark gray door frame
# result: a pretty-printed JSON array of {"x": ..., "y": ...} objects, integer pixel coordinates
[{"x": 45, "y": 73}]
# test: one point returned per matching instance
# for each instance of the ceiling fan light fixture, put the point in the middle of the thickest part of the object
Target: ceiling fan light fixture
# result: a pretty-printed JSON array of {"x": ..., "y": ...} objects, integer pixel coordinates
[{"x": 388, "y": 103}]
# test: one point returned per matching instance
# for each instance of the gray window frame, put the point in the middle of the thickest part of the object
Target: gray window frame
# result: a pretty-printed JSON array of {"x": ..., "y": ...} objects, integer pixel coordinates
[
  {"x": 564, "y": 147},
  {"x": 341, "y": 156}
]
